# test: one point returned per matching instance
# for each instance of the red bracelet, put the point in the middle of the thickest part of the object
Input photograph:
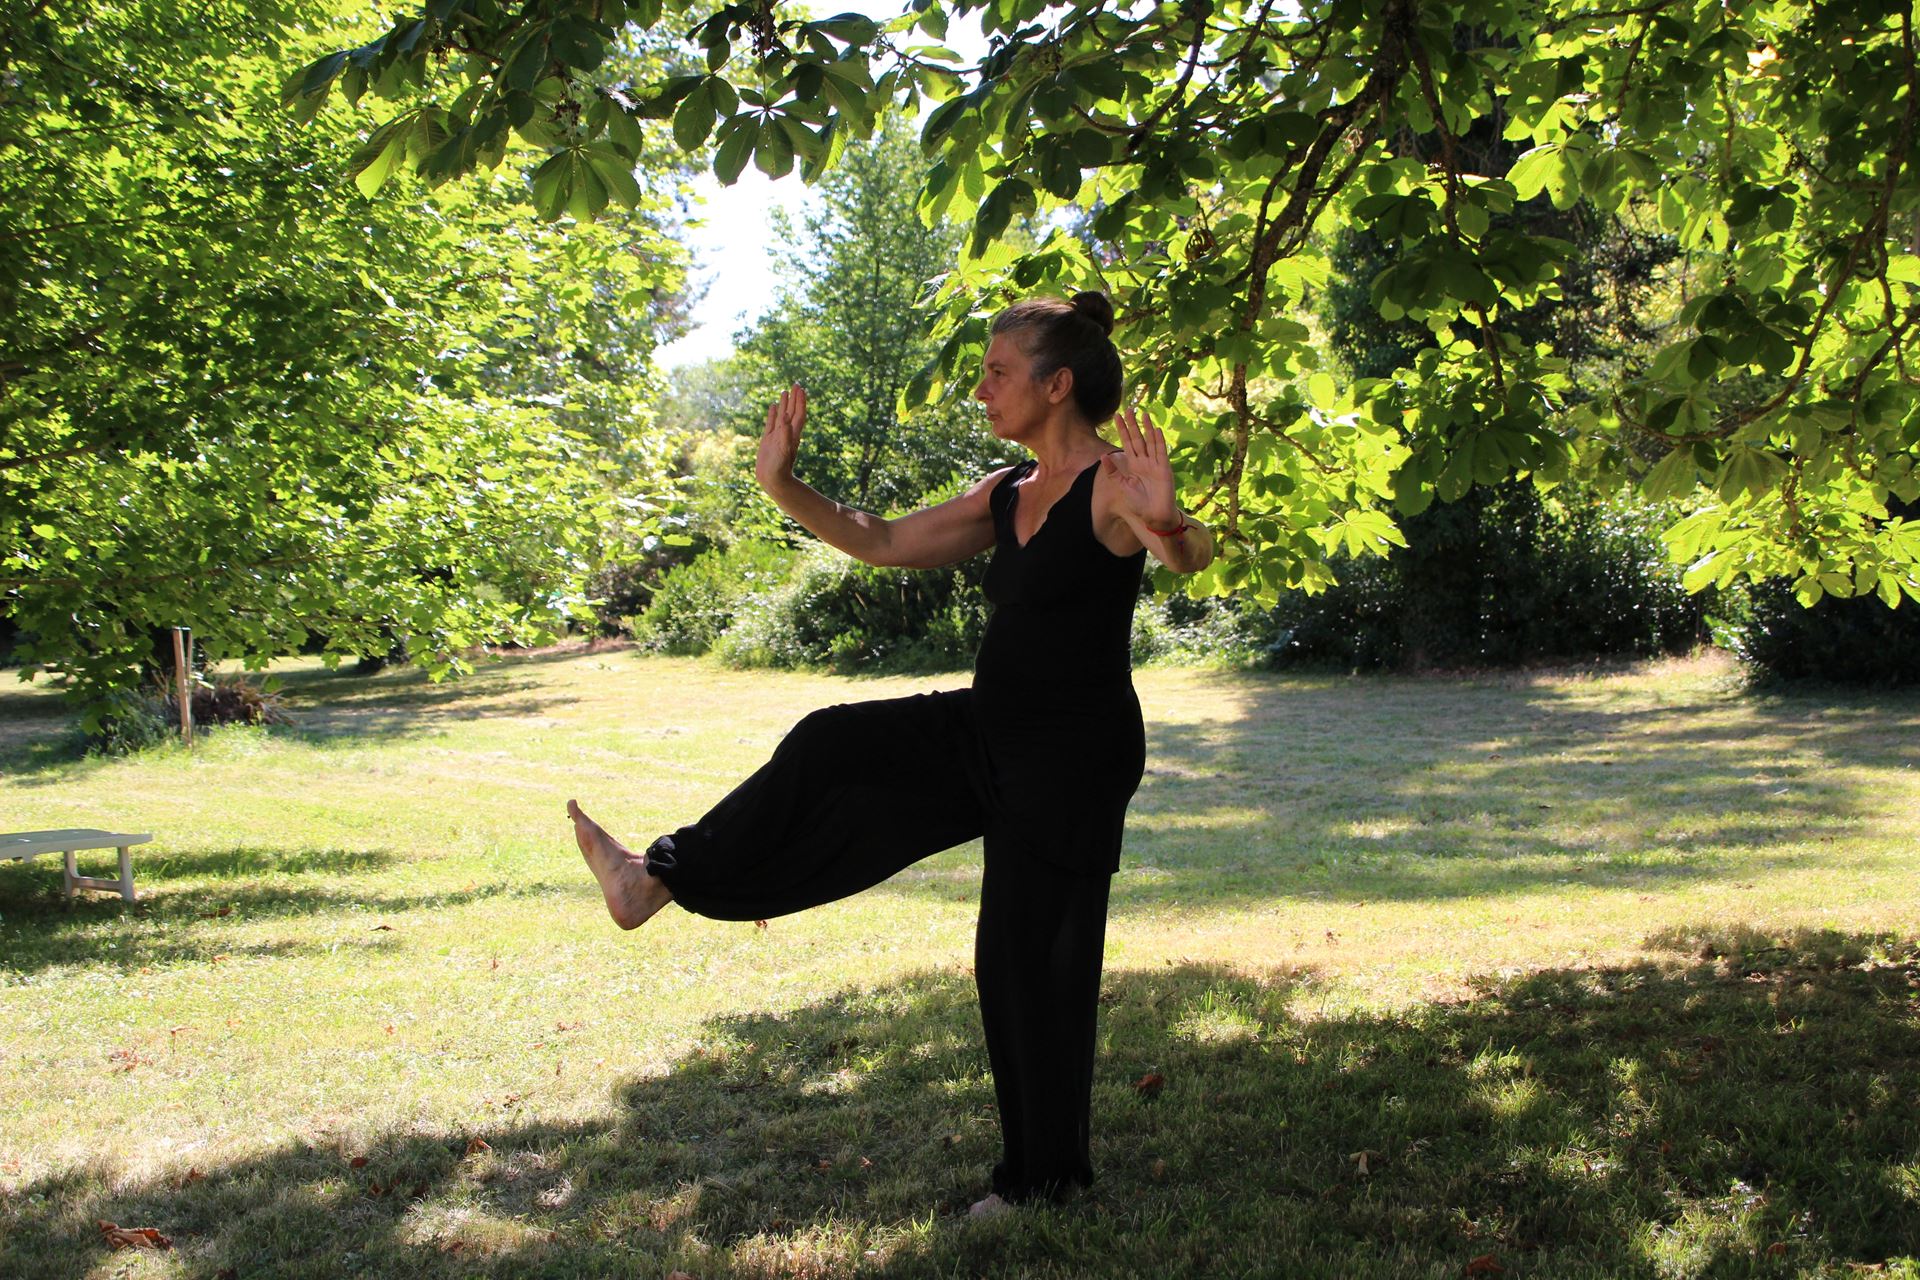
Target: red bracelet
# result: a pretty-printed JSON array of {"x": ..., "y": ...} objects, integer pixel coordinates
[{"x": 1174, "y": 532}]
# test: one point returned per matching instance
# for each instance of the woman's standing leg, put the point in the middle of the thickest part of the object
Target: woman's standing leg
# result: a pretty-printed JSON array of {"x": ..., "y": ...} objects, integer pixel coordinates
[{"x": 1037, "y": 959}]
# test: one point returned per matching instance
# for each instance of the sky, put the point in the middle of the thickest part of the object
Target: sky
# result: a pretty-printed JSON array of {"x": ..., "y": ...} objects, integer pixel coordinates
[{"x": 733, "y": 247}]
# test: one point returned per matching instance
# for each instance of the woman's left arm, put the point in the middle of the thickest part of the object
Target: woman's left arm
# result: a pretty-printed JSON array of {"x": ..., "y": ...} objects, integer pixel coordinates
[{"x": 1144, "y": 498}]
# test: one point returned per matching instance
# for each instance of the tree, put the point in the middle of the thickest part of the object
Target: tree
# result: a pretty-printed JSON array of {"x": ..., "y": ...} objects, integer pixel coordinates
[
  {"x": 849, "y": 326},
  {"x": 240, "y": 396},
  {"x": 1215, "y": 136}
]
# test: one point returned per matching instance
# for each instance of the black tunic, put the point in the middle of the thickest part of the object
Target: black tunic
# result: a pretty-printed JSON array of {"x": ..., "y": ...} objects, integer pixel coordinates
[{"x": 1053, "y": 703}]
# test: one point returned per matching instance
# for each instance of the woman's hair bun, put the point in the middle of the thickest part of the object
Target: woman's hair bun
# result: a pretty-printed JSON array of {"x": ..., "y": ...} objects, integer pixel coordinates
[{"x": 1093, "y": 305}]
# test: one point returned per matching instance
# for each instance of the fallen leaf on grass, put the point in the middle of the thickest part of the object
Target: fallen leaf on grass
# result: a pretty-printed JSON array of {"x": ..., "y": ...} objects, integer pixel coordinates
[
  {"x": 1159, "y": 1168},
  {"x": 190, "y": 1177},
  {"x": 358, "y": 1162},
  {"x": 381, "y": 928},
  {"x": 568, "y": 1026},
  {"x": 1485, "y": 1265},
  {"x": 118, "y": 1237},
  {"x": 1777, "y": 1248},
  {"x": 477, "y": 1145},
  {"x": 1150, "y": 1084},
  {"x": 680, "y": 1275},
  {"x": 216, "y": 915},
  {"x": 1359, "y": 1159},
  {"x": 759, "y": 924}
]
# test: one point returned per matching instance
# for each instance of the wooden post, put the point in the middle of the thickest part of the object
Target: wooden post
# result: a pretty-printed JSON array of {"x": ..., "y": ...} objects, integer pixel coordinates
[{"x": 183, "y": 681}]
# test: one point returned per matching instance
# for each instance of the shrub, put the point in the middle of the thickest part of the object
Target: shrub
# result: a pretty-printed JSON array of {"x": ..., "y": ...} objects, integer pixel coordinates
[
  {"x": 1837, "y": 641},
  {"x": 694, "y": 604},
  {"x": 622, "y": 590},
  {"x": 126, "y": 720},
  {"x": 837, "y": 612},
  {"x": 1503, "y": 576},
  {"x": 135, "y": 719},
  {"x": 1178, "y": 630}
]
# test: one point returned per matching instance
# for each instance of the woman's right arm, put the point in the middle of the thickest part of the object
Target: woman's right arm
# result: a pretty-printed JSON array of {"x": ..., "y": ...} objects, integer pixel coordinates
[{"x": 924, "y": 539}]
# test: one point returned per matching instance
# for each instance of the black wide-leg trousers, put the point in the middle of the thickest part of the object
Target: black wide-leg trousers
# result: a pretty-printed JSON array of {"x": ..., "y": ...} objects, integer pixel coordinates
[{"x": 855, "y": 793}]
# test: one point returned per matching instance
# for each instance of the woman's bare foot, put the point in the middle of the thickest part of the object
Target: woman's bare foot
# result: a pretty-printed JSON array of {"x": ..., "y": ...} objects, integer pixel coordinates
[
  {"x": 991, "y": 1207},
  {"x": 633, "y": 893}
]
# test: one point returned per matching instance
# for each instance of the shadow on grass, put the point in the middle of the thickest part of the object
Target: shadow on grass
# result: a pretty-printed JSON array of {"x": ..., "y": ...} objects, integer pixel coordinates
[
  {"x": 1407, "y": 789},
  {"x": 1751, "y": 1112},
  {"x": 395, "y": 704},
  {"x": 191, "y": 904},
  {"x": 40, "y": 743}
]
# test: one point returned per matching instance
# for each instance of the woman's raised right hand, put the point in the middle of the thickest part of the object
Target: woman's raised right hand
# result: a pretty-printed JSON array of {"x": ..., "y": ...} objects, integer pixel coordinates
[{"x": 781, "y": 441}]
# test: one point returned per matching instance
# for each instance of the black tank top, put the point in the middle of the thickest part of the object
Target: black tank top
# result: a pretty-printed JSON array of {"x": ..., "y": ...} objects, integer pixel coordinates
[{"x": 1062, "y": 621}]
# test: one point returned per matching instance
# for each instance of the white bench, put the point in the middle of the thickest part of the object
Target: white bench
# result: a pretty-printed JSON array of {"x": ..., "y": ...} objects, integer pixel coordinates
[{"x": 30, "y": 844}]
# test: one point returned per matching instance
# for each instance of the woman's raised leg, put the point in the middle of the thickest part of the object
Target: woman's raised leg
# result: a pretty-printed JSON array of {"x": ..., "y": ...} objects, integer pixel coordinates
[{"x": 853, "y": 794}]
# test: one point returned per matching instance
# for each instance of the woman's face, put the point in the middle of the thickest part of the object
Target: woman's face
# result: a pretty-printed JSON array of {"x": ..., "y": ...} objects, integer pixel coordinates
[{"x": 1017, "y": 404}]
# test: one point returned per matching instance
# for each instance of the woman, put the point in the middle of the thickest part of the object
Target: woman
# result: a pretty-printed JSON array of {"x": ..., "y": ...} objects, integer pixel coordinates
[{"x": 1038, "y": 758}]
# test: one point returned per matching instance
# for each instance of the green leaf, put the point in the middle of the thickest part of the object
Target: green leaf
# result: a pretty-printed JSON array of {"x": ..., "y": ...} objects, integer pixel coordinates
[
  {"x": 1749, "y": 472},
  {"x": 773, "y": 150},
  {"x": 312, "y": 80},
  {"x": 1673, "y": 477},
  {"x": 942, "y": 120},
  {"x": 590, "y": 196},
  {"x": 1537, "y": 169},
  {"x": 997, "y": 210},
  {"x": 736, "y": 141},
  {"x": 376, "y": 159},
  {"x": 529, "y": 61},
  {"x": 1457, "y": 476},
  {"x": 693, "y": 120},
  {"x": 577, "y": 44},
  {"x": 616, "y": 174},
  {"x": 1701, "y": 572},
  {"x": 553, "y": 185}
]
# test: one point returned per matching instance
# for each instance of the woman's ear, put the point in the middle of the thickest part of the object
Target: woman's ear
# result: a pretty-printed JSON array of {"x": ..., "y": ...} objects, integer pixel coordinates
[{"x": 1060, "y": 385}]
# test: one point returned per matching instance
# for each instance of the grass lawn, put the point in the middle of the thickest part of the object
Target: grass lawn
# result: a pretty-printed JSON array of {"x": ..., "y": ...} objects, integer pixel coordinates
[{"x": 1553, "y": 975}]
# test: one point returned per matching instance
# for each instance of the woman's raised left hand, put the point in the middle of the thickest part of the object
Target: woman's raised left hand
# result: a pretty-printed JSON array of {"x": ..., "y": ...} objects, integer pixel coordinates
[{"x": 1143, "y": 472}]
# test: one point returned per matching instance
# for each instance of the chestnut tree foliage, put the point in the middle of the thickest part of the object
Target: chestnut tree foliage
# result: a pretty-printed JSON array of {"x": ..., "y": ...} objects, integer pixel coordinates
[
  {"x": 237, "y": 395},
  {"x": 1209, "y": 144}
]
